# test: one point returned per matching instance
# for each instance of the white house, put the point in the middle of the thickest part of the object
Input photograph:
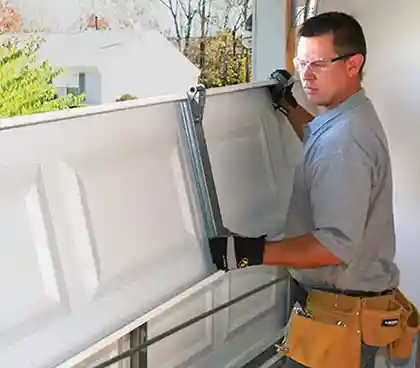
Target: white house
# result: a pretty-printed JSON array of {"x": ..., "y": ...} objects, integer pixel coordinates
[{"x": 107, "y": 64}]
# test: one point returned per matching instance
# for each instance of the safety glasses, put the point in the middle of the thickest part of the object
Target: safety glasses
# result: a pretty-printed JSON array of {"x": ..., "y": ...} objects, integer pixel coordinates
[{"x": 318, "y": 66}]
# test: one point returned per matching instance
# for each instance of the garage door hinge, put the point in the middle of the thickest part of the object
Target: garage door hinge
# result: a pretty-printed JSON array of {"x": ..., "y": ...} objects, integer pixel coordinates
[{"x": 197, "y": 99}]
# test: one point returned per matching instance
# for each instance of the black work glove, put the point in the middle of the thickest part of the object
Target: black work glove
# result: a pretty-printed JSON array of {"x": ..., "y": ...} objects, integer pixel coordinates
[
  {"x": 282, "y": 92},
  {"x": 235, "y": 251}
]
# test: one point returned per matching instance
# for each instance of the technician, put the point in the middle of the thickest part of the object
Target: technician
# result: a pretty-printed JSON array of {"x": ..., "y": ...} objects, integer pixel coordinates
[{"x": 340, "y": 241}]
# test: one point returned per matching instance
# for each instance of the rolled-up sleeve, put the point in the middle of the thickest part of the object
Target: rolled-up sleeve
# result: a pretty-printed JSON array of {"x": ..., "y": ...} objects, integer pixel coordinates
[{"x": 340, "y": 191}]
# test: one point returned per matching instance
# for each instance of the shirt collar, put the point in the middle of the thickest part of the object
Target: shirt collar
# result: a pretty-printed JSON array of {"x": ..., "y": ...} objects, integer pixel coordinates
[{"x": 321, "y": 120}]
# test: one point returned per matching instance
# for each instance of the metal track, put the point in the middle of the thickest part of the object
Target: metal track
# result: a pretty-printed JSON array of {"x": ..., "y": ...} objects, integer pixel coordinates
[{"x": 186, "y": 324}]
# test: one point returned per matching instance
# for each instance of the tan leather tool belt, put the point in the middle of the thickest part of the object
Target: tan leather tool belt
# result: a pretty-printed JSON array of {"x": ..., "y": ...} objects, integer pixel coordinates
[{"x": 330, "y": 331}]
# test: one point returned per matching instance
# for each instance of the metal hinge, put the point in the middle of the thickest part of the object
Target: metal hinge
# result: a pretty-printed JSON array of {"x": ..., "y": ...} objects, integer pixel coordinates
[{"x": 197, "y": 98}]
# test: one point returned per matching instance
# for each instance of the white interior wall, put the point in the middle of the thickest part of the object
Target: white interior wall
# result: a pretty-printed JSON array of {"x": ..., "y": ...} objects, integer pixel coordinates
[{"x": 392, "y": 80}]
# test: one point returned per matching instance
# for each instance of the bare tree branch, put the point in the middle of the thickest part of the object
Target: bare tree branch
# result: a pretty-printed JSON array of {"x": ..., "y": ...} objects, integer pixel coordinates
[
  {"x": 242, "y": 17},
  {"x": 182, "y": 6},
  {"x": 167, "y": 4},
  {"x": 174, "y": 14}
]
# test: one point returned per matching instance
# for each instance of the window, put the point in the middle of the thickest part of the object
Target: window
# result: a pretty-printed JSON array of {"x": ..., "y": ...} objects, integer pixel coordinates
[{"x": 74, "y": 83}]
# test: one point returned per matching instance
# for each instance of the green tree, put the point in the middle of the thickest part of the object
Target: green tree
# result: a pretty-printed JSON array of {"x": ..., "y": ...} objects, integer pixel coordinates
[
  {"x": 226, "y": 61},
  {"x": 26, "y": 85}
]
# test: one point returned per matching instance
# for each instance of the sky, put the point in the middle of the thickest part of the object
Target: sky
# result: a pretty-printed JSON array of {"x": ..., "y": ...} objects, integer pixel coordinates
[{"x": 65, "y": 15}]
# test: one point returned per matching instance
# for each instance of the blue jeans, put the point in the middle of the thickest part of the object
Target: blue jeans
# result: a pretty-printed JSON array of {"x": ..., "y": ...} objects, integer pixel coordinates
[{"x": 368, "y": 359}]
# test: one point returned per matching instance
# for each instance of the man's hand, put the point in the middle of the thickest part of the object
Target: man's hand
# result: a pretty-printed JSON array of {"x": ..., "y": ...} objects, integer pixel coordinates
[
  {"x": 288, "y": 102},
  {"x": 236, "y": 251},
  {"x": 281, "y": 93},
  {"x": 284, "y": 101}
]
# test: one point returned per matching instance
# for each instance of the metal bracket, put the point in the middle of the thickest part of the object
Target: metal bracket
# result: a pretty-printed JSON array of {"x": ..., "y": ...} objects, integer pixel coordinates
[
  {"x": 192, "y": 115},
  {"x": 197, "y": 99}
]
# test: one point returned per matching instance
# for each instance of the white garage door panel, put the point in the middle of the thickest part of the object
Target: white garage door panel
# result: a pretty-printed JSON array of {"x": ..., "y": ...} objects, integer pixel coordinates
[
  {"x": 250, "y": 152},
  {"x": 132, "y": 217},
  {"x": 253, "y": 173},
  {"x": 241, "y": 333},
  {"x": 99, "y": 226},
  {"x": 30, "y": 274},
  {"x": 250, "y": 165},
  {"x": 244, "y": 311},
  {"x": 182, "y": 348},
  {"x": 109, "y": 352}
]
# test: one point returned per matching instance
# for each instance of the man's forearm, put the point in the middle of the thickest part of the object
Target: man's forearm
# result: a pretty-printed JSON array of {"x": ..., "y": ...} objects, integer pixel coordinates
[
  {"x": 300, "y": 252},
  {"x": 298, "y": 117}
]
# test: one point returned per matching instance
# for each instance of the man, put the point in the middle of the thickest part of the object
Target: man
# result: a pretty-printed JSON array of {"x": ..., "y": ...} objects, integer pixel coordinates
[{"x": 340, "y": 240}]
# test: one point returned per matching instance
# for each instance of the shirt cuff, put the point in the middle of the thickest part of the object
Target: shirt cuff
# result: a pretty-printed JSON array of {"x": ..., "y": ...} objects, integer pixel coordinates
[{"x": 337, "y": 244}]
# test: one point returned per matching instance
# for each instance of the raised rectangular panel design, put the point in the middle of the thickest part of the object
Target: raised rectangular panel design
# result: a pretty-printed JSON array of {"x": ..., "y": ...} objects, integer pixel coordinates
[
  {"x": 103, "y": 228},
  {"x": 33, "y": 294},
  {"x": 180, "y": 349},
  {"x": 251, "y": 168},
  {"x": 243, "y": 281},
  {"x": 238, "y": 339},
  {"x": 127, "y": 201}
]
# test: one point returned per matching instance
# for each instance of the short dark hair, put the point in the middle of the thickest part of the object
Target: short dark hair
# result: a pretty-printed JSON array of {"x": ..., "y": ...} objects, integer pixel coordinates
[{"x": 348, "y": 36}]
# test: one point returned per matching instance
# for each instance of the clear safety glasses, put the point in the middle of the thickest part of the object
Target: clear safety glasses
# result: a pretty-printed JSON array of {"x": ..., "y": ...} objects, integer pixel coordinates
[{"x": 317, "y": 66}]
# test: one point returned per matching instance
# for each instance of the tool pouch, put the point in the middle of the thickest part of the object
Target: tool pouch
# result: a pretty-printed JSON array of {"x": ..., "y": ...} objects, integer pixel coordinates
[
  {"x": 381, "y": 325},
  {"x": 401, "y": 347},
  {"x": 321, "y": 341}
]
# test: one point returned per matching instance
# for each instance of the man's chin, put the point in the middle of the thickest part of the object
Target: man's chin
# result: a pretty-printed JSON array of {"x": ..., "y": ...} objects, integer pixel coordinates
[
  {"x": 315, "y": 99},
  {"x": 312, "y": 98}
]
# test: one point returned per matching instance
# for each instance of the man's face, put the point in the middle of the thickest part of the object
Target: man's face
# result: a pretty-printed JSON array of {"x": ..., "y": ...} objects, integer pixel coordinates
[{"x": 325, "y": 83}]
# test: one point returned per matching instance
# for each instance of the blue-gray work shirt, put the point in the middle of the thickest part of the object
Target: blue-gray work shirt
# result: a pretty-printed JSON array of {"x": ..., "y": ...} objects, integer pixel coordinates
[{"x": 343, "y": 196}]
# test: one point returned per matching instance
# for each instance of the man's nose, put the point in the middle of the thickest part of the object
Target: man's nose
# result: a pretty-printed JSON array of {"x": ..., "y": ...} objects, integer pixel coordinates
[{"x": 306, "y": 73}]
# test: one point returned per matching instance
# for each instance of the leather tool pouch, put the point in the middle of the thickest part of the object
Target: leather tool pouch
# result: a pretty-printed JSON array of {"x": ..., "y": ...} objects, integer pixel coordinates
[
  {"x": 322, "y": 340},
  {"x": 335, "y": 327},
  {"x": 401, "y": 347},
  {"x": 383, "y": 324}
]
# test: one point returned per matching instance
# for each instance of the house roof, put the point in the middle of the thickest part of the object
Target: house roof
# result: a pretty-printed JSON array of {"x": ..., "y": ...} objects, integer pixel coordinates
[
  {"x": 143, "y": 64},
  {"x": 96, "y": 48}
]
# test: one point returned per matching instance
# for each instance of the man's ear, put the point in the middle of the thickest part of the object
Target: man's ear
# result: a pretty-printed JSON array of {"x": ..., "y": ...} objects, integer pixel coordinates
[{"x": 354, "y": 64}]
